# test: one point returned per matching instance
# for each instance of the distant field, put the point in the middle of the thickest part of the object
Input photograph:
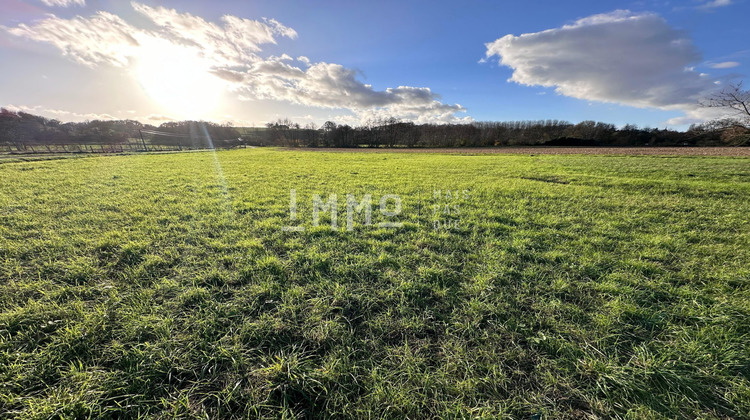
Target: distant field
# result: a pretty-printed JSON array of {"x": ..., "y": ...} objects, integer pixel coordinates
[
  {"x": 530, "y": 287},
  {"x": 563, "y": 150}
]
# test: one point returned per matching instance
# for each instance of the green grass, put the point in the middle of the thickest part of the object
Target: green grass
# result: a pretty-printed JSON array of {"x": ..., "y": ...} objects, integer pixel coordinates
[{"x": 574, "y": 286}]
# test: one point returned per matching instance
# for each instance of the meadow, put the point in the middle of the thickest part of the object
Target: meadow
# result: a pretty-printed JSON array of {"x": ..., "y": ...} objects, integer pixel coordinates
[{"x": 518, "y": 286}]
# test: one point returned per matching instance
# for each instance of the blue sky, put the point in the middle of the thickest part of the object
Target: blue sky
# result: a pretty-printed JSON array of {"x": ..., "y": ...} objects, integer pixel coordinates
[{"x": 249, "y": 62}]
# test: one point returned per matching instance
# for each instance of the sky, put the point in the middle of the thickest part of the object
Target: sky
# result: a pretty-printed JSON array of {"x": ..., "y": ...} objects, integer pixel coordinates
[{"x": 645, "y": 62}]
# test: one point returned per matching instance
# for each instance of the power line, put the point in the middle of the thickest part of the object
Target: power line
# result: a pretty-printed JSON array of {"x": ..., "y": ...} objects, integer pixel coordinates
[{"x": 167, "y": 134}]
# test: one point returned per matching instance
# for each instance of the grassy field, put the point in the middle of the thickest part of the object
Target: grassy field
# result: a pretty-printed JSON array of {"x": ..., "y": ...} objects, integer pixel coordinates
[{"x": 553, "y": 287}]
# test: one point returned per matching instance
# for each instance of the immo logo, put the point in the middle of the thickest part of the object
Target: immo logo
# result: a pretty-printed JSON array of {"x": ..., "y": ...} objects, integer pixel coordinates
[
  {"x": 442, "y": 210},
  {"x": 390, "y": 208}
]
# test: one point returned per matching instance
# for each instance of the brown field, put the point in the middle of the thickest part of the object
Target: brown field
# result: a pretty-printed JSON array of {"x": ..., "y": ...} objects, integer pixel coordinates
[{"x": 541, "y": 150}]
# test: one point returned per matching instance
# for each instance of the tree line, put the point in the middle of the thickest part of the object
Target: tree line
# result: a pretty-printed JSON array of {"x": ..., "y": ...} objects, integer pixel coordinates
[
  {"x": 24, "y": 132},
  {"x": 395, "y": 133},
  {"x": 391, "y": 132}
]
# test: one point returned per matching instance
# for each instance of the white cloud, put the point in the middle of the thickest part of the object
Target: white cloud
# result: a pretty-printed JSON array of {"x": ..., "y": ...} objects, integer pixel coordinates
[
  {"x": 64, "y": 3},
  {"x": 58, "y": 113},
  {"x": 697, "y": 115},
  {"x": 619, "y": 57},
  {"x": 233, "y": 50},
  {"x": 724, "y": 65},
  {"x": 325, "y": 85},
  {"x": 330, "y": 85},
  {"x": 714, "y": 4},
  {"x": 154, "y": 119},
  {"x": 304, "y": 60},
  {"x": 233, "y": 44},
  {"x": 103, "y": 38}
]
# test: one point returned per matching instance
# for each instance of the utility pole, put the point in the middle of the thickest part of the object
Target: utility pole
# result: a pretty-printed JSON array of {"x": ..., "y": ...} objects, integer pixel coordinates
[{"x": 144, "y": 141}]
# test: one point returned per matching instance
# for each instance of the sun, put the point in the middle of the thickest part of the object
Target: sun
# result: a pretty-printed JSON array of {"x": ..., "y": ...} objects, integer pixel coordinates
[{"x": 177, "y": 79}]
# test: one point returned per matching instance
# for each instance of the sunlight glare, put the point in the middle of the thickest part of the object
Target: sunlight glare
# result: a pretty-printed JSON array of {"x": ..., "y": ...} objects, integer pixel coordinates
[{"x": 178, "y": 79}]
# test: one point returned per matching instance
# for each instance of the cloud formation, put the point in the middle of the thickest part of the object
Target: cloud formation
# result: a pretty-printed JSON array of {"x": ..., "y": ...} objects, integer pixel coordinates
[
  {"x": 234, "y": 51},
  {"x": 58, "y": 113},
  {"x": 103, "y": 38},
  {"x": 619, "y": 57},
  {"x": 713, "y": 4},
  {"x": 329, "y": 85},
  {"x": 724, "y": 65},
  {"x": 64, "y": 115},
  {"x": 233, "y": 44},
  {"x": 64, "y": 3}
]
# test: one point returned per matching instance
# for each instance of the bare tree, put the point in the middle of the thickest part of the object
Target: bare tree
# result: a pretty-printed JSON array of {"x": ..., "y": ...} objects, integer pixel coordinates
[{"x": 733, "y": 98}]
